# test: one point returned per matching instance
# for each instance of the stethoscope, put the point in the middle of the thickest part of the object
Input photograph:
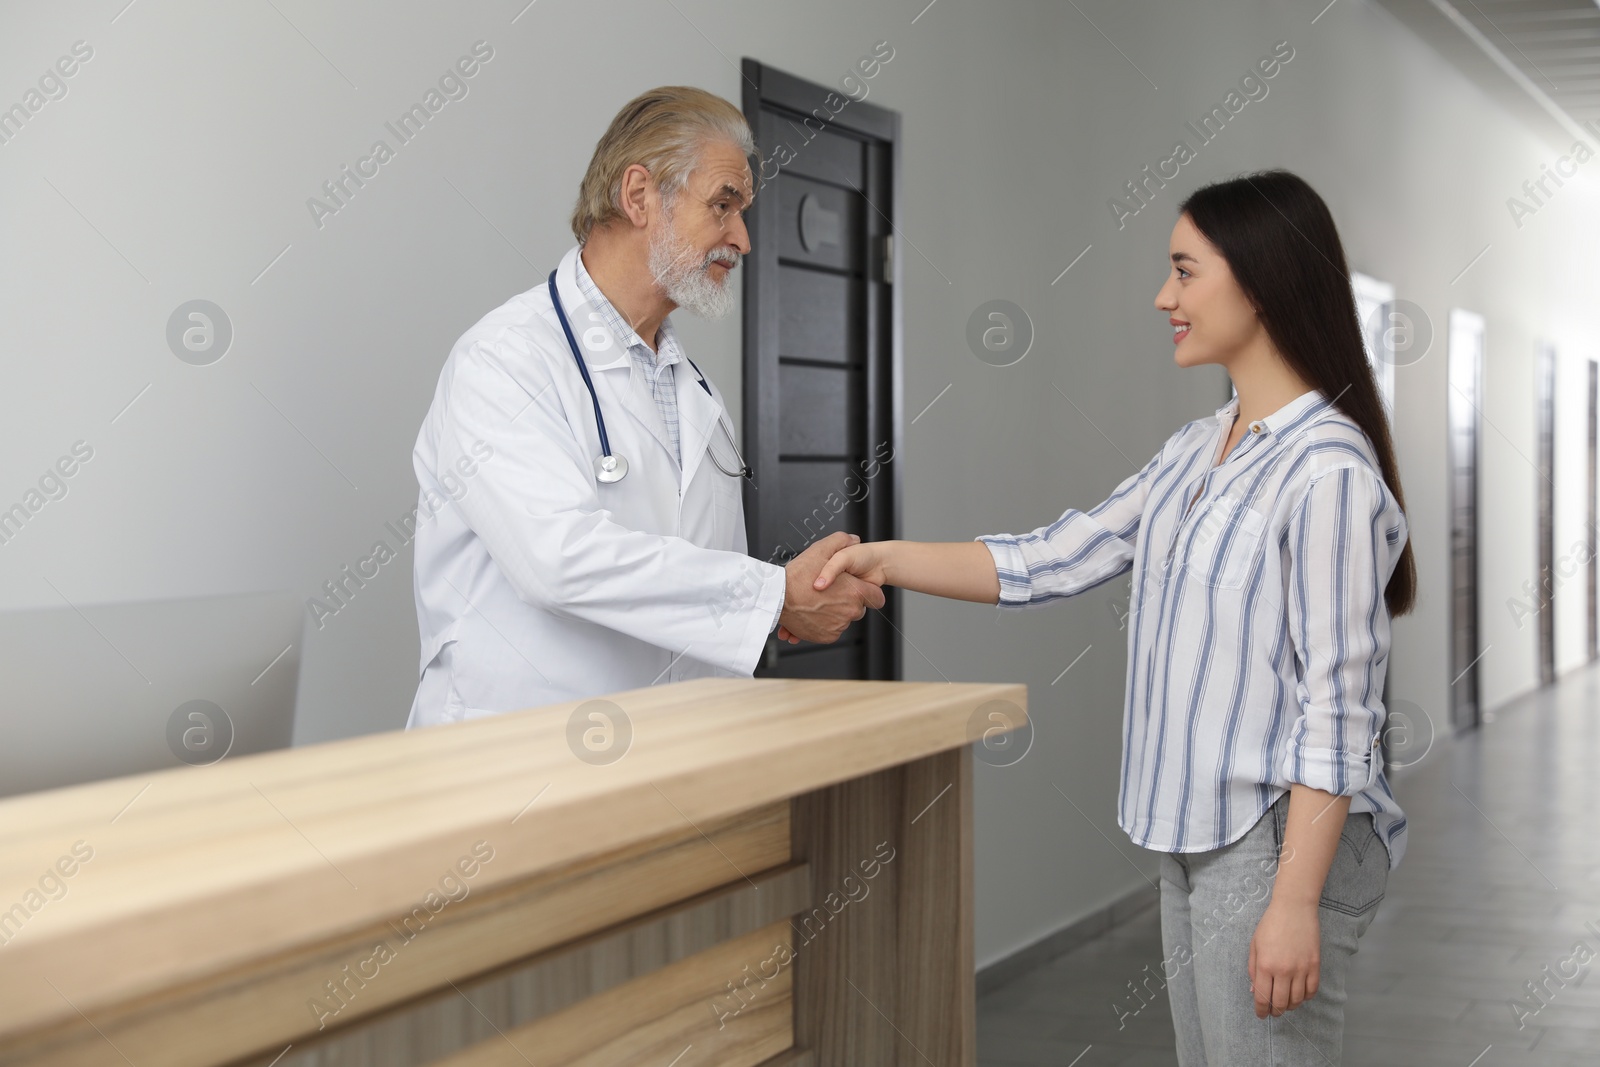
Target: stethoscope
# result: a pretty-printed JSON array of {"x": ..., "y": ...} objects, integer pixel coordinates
[{"x": 609, "y": 466}]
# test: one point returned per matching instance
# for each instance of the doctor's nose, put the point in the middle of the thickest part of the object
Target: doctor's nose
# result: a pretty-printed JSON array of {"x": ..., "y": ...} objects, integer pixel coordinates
[{"x": 738, "y": 235}]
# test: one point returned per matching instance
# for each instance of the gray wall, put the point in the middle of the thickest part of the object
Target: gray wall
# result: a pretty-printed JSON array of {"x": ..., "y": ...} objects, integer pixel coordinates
[{"x": 178, "y": 165}]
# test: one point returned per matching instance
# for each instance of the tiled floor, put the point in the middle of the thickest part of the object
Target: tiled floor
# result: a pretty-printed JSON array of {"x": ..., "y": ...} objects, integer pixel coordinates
[{"x": 1500, "y": 878}]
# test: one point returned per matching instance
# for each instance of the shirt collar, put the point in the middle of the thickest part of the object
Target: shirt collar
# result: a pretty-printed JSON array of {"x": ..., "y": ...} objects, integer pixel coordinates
[
  {"x": 1286, "y": 415},
  {"x": 667, "y": 350}
]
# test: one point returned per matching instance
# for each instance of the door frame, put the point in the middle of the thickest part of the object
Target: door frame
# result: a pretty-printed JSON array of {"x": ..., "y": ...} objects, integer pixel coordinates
[
  {"x": 1545, "y": 364},
  {"x": 1374, "y": 298},
  {"x": 1465, "y": 356},
  {"x": 1591, "y": 384}
]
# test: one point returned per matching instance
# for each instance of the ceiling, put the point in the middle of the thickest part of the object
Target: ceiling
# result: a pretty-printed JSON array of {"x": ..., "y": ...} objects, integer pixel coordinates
[{"x": 1540, "y": 57}]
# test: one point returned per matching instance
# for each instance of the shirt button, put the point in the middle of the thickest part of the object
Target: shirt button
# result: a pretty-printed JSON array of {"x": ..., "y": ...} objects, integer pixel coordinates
[{"x": 1255, "y": 427}]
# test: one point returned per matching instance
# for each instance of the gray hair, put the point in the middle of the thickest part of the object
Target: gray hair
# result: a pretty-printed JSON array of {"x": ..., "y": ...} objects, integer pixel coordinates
[{"x": 663, "y": 130}]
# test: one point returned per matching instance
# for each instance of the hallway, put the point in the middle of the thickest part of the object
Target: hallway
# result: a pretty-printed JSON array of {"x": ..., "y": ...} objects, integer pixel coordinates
[{"x": 1499, "y": 888}]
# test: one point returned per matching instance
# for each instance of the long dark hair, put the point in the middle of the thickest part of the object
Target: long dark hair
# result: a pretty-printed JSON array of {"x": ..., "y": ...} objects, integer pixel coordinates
[{"x": 1283, "y": 249}]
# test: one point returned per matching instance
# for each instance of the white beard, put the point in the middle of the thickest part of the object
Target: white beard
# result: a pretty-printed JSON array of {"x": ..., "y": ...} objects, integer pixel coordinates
[{"x": 687, "y": 283}]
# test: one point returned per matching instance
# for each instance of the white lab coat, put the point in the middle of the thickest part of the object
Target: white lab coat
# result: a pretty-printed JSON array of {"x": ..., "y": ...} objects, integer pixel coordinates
[{"x": 535, "y": 583}]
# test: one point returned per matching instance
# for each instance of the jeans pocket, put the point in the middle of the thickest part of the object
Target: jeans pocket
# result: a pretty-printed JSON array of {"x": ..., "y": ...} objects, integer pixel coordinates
[
  {"x": 1359, "y": 874},
  {"x": 1279, "y": 814}
]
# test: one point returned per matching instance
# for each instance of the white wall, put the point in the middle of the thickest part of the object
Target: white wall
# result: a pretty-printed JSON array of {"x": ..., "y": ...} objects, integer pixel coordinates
[{"x": 179, "y": 163}]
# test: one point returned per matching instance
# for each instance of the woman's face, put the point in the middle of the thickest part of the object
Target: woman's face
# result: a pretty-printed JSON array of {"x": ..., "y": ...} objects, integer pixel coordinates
[{"x": 1213, "y": 321}]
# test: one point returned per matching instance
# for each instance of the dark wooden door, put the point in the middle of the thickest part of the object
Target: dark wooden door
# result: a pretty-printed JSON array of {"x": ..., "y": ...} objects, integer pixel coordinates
[{"x": 821, "y": 346}]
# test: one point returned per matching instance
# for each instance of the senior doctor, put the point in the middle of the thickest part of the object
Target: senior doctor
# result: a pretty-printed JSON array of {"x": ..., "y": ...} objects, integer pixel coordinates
[{"x": 595, "y": 537}]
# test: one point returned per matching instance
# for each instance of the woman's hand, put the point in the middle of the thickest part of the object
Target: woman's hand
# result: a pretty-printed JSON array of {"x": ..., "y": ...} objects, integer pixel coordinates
[
  {"x": 866, "y": 566},
  {"x": 1285, "y": 957},
  {"x": 1286, "y": 950},
  {"x": 963, "y": 570},
  {"x": 865, "y": 560}
]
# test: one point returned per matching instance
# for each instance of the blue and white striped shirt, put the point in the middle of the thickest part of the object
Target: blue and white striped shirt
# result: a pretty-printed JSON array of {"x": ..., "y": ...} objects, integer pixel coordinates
[{"x": 1258, "y": 636}]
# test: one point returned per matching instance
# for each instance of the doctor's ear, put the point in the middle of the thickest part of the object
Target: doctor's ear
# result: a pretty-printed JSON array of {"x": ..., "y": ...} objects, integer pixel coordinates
[{"x": 637, "y": 194}]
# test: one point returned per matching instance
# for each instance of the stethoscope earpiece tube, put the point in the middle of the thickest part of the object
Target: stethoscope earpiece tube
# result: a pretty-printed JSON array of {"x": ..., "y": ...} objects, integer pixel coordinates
[
  {"x": 744, "y": 470},
  {"x": 608, "y": 466}
]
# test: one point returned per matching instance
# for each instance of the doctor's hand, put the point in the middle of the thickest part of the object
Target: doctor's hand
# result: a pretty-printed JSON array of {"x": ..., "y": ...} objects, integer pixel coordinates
[{"x": 821, "y": 615}]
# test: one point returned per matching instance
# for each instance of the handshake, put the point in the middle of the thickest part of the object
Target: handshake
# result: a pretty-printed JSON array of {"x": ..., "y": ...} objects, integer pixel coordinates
[
  {"x": 834, "y": 582},
  {"x": 822, "y": 615}
]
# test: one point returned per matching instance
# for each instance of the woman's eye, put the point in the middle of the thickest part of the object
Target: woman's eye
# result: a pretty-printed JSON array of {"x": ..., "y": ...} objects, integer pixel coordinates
[{"x": 1182, "y": 273}]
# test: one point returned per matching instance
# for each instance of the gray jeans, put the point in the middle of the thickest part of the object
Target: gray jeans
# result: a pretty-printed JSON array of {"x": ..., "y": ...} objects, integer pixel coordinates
[{"x": 1210, "y": 905}]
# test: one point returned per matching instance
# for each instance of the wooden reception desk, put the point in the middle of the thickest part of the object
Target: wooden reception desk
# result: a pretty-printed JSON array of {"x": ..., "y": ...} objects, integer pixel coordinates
[{"x": 727, "y": 871}]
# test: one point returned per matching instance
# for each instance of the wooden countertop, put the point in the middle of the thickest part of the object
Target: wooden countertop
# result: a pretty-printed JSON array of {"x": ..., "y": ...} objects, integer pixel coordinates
[{"x": 197, "y": 870}]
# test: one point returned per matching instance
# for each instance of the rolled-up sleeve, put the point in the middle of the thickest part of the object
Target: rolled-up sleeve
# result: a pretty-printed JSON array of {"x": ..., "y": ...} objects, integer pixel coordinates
[
  {"x": 1344, "y": 540},
  {"x": 1077, "y": 551}
]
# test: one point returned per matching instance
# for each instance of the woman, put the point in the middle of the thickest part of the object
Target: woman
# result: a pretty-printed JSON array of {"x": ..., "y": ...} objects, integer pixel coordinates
[{"x": 1269, "y": 550}]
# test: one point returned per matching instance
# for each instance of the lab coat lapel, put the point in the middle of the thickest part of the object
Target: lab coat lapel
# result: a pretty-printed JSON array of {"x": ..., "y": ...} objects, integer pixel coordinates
[
  {"x": 617, "y": 380},
  {"x": 641, "y": 406},
  {"x": 698, "y": 413}
]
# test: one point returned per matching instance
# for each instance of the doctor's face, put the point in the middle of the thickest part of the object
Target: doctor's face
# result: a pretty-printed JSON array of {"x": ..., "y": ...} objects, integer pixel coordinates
[
  {"x": 696, "y": 242},
  {"x": 708, "y": 212},
  {"x": 1212, "y": 319}
]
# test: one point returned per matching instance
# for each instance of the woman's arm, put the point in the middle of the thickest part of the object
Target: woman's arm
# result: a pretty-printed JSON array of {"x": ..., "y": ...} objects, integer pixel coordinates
[
  {"x": 1341, "y": 556},
  {"x": 960, "y": 570},
  {"x": 1076, "y": 552},
  {"x": 1286, "y": 951}
]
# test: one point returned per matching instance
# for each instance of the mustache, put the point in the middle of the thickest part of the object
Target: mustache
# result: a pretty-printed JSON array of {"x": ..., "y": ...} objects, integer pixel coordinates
[{"x": 726, "y": 256}]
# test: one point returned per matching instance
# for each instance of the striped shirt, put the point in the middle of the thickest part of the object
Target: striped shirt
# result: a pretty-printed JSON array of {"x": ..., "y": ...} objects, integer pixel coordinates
[
  {"x": 1258, "y": 637},
  {"x": 657, "y": 366}
]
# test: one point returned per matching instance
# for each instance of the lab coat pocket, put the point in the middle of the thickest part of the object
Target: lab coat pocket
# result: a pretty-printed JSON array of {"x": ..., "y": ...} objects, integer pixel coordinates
[
  {"x": 461, "y": 700},
  {"x": 727, "y": 506},
  {"x": 1225, "y": 544},
  {"x": 457, "y": 710}
]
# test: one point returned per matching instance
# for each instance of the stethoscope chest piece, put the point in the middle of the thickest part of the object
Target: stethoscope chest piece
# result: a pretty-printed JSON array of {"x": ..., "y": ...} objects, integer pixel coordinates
[{"x": 610, "y": 468}]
